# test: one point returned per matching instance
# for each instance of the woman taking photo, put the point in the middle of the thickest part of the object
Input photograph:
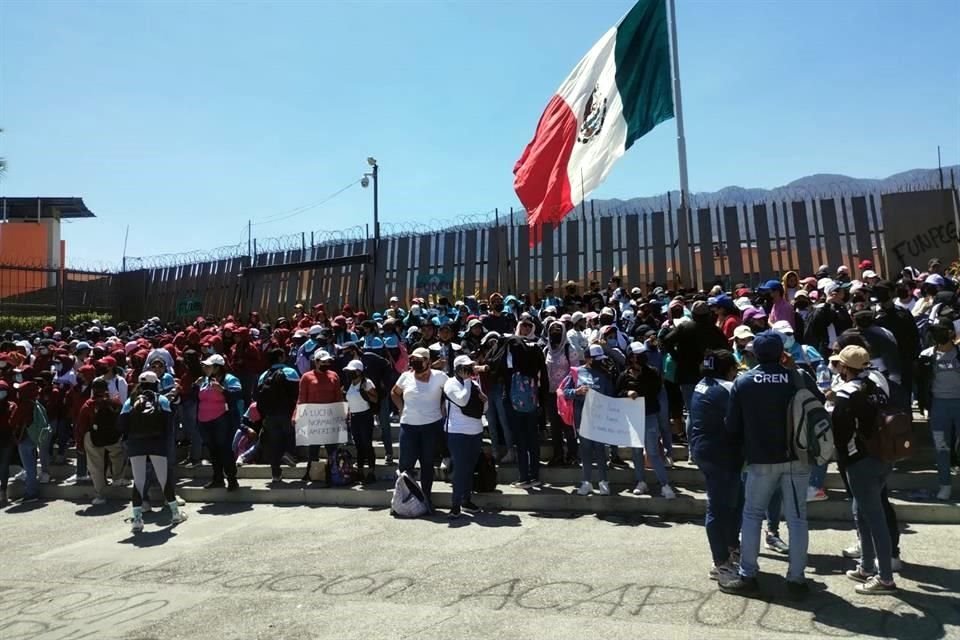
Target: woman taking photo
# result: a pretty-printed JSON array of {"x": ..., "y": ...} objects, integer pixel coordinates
[
  {"x": 219, "y": 411},
  {"x": 464, "y": 402},
  {"x": 418, "y": 395},
  {"x": 146, "y": 420}
]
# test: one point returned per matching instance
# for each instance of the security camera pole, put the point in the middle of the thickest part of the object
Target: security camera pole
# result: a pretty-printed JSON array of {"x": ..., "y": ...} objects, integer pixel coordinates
[{"x": 376, "y": 220}]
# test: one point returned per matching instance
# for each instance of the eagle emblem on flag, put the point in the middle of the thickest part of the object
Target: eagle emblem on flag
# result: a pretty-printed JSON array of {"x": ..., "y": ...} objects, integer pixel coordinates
[{"x": 593, "y": 115}]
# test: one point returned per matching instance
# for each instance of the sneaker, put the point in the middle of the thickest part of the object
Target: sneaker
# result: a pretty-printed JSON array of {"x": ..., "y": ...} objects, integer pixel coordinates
[
  {"x": 98, "y": 501},
  {"x": 136, "y": 525},
  {"x": 859, "y": 575},
  {"x": 389, "y": 460},
  {"x": 816, "y": 495},
  {"x": 469, "y": 507},
  {"x": 454, "y": 513},
  {"x": 668, "y": 462},
  {"x": 617, "y": 461},
  {"x": 521, "y": 484},
  {"x": 896, "y": 565},
  {"x": 289, "y": 460},
  {"x": 536, "y": 482},
  {"x": 735, "y": 557},
  {"x": 604, "y": 488},
  {"x": 585, "y": 489},
  {"x": 179, "y": 517},
  {"x": 445, "y": 464},
  {"x": 667, "y": 492},
  {"x": 45, "y": 478},
  {"x": 84, "y": 478},
  {"x": 20, "y": 477},
  {"x": 726, "y": 571},
  {"x": 739, "y": 586},
  {"x": 776, "y": 543},
  {"x": 797, "y": 590},
  {"x": 853, "y": 551},
  {"x": 640, "y": 489},
  {"x": 71, "y": 480},
  {"x": 122, "y": 482},
  {"x": 944, "y": 493},
  {"x": 276, "y": 479},
  {"x": 876, "y": 587},
  {"x": 239, "y": 462}
]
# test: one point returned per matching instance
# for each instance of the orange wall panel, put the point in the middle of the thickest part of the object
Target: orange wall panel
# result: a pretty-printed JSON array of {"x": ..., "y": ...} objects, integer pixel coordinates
[{"x": 23, "y": 243}]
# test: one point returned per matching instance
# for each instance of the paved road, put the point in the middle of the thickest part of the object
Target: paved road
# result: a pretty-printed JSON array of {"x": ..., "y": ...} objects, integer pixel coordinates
[{"x": 237, "y": 571}]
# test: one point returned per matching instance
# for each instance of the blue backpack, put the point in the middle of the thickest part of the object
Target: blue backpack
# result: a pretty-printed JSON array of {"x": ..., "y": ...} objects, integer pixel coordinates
[
  {"x": 523, "y": 393},
  {"x": 341, "y": 468}
]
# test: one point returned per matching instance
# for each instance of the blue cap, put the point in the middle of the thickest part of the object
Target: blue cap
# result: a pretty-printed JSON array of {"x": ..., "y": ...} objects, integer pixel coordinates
[
  {"x": 372, "y": 343},
  {"x": 378, "y": 316},
  {"x": 770, "y": 285},
  {"x": 391, "y": 342},
  {"x": 768, "y": 346},
  {"x": 435, "y": 321}
]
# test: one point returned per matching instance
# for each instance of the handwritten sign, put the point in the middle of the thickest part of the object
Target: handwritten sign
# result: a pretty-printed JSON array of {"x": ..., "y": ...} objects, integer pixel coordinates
[
  {"x": 919, "y": 225},
  {"x": 617, "y": 421},
  {"x": 321, "y": 423}
]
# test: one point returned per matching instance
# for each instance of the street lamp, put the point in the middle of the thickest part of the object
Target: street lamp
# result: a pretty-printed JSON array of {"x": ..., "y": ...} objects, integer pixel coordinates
[{"x": 365, "y": 182}]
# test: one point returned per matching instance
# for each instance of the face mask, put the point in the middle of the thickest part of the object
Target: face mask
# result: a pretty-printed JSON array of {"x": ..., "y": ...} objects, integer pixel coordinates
[
  {"x": 355, "y": 377},
  {"x": 789, "y": 342},
  {"x": 18, "y": 377},
  {"x": 498, "y": 307},
  {"x": 323, "y": 367},
  {"x": 419, "y": 366}
]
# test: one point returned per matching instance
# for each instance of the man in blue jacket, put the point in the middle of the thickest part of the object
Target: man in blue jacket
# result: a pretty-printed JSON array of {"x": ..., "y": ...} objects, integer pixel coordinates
[{"x": 757, "y": 415}]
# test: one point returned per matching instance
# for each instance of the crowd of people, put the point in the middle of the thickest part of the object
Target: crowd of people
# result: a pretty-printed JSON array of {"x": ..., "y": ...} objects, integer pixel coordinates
[{"x": 718, "y": 370}]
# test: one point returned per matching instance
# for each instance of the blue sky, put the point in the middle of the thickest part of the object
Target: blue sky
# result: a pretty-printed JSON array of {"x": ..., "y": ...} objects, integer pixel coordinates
[{"x": 183, "y": 120}]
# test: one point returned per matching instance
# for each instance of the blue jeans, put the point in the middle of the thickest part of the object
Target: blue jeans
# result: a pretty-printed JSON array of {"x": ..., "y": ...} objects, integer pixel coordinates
[
  {"x": 762, "y": 480},
  {"x": 818, "y": 475},
  {"x": 527, "y": 438},
  {"x": 386, "y": 406},
  {"x": 686, "y": 390},
  {"x": 775, "y": 510},
  {"x": 591, "y": 452},
  {"x": 497, "y": 416},
  {"x": 945, "y": 427},
  {"x": 188, "y": 419},
  {"x": 465, "y": 451},
  {"x": 867, "y": 478},
  {"x": 724, "y": 500},
  {"x": 651, "y": 440},
  {"x": 663, "y": 419},
  {"x": 278, "y": 435},
  {"x": 28, "y": 456},
  {"x": 417, "y": 444}
]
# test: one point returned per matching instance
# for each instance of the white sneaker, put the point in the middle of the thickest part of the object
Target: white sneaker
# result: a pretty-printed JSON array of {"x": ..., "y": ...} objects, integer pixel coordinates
[
  {"x": 137, "y": 525},
  {"x": 20, "y": 477},
  {"x": 586, "y": 488},
  {"x": 71, "y": 480},
  {"x": 604, "y": 488},
  {"x": 121, "y": 482},
  {"x": 667, "y": 492},
  {"x": 44, "y": 477},
  {"x": 816, "y": 495},
  {"x": 178, "y": 517},
  {"x": 944, "y": 493},
  {"x": 640, "y": 489},
  {"x": 239, "y": 462},
  {"x": 98, "y": 500},
  {"x": 445, "y": 464},
  {"x": 853, "y": 551}
]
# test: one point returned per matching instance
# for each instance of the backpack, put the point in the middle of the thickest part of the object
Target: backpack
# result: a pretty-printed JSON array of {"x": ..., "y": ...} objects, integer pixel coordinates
[
  {"x": 408, "y": 500},
  {"x": 271, "y": 394},
  {"x": 374, "y": 404},
  {"x": 104, "y": 430},
  {"x": 809, "y": 429},
  {"x": 523, "y": 393},
  {"x": 892, "y": 436},
  {"x": 147, "y": 419},
  {"x": 474, "y": 406},
  {"x": 564, "y": 404},
  {"x": 485, "y": 475},
  {"x": 341, "y": 468}
]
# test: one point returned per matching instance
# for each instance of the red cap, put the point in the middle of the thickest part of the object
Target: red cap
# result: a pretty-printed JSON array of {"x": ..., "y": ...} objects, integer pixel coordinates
[
  {"x": 108, "y": 361},
  {"x": 866, "y": 264}
]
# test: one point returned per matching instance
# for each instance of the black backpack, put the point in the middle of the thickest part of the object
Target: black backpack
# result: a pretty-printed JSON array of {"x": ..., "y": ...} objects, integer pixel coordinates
[
  {"x": 271, "y": 394},
  {"x": 104, "y": 430},
  {"x": 374, "y": 405},
  {"x": 485, "y": 477},
  {"x": 147, "y": 420}
]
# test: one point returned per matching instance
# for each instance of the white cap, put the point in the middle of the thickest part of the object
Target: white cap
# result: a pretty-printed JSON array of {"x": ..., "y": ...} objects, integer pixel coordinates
[
  {"x": 869, "y": 274},
  {"x": 636, "y": 291},
  {"x": 638, "y": 347},
  {"x": 576, "y": 317},
  {"x": 394, "y": 299},
  {"x": 315, "y": 330},
  {"x": 423, "y": 354},
  {"x": 215, "y": 359},
  {"x": 935, "y": 279},
  {"x": 148, "y": 377},
  {"x": 829, "y": 286},
  {"x": 354, "y": 365},
  {"x": 782, "y": 326},
  {"x": 743, "y": 332},
  {"x": 596, "y": 352},
  {"x": 742, "y": 303},
  {"x": 321, "y": 354},
  {"x": 607, "y": 311},
  {"x": 462, "y": 361}
]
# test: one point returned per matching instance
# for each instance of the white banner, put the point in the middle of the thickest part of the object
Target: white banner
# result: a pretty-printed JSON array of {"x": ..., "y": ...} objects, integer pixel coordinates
[
  {"x": 618, "y": 421},
  {"x": 321, "y": 423}
]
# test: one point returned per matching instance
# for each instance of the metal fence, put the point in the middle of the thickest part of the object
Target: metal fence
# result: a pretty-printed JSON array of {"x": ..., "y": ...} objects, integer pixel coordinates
[{"x": 31, "y": 290}]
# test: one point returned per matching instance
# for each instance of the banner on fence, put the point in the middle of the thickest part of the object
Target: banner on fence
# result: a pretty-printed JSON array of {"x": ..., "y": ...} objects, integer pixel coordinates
[
  {"x": 188, "y": 308},
  {"x": 434, "y": 284},
  {"x": 919, "y": 226},
  {"x": 321, "y": 423},
  {"x": 617, "y": 421}
]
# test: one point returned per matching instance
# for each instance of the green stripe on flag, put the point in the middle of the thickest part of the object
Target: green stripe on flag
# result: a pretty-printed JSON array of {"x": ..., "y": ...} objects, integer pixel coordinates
[{"x": 643, "y": 68}]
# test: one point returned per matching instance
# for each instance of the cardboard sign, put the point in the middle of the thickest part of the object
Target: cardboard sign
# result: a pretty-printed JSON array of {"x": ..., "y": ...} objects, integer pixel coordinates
[
  {"x": 918, "y": 226},
  {"x": 617, "y": 421},
  {"x": 321, "y": 423}
]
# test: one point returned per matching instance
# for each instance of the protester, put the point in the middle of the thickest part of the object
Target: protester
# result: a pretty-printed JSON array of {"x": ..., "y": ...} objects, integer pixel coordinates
[
  {"x": 8, "y": 443},
  {"x": 276, "y": 394},
  {"x": 591, "y": 376},
  {"x": 938, "y": 383},
  {"x": 320, "y": 386},
  {"x": 219, "y": 409},
  {"x": 362, "y": 398},
  {"x": 100, "y": 435},
  {"x": 464, "y": 406}
]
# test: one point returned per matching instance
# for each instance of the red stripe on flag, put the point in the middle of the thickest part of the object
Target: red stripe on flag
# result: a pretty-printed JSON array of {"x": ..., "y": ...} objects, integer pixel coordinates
[{"x": 540, "y": 175}]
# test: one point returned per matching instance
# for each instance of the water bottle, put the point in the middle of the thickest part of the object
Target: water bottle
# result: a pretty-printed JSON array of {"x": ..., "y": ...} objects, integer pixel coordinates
[{"x": 824, "y": 377}]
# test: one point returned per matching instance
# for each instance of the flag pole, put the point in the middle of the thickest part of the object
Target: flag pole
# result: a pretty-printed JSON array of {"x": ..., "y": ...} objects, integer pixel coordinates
[{"x": 687, "y": 270}]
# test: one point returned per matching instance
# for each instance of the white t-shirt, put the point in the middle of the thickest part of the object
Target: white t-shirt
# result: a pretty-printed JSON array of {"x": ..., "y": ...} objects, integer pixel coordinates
[
  {"x": 421, "y": 400},
  {"x": 458, "y": 395},
  {"x": 355, "y": 401}
]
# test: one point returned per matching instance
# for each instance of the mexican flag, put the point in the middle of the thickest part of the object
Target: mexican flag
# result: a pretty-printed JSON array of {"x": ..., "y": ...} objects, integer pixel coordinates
[{"x": 618, "y": 92}]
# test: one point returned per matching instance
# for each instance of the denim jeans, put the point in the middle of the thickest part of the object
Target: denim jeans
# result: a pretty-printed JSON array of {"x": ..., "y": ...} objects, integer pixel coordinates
[
  {"x": 663, "y": 419},
  {"x": 526, "y": 437},
  {"x": 591, "y": 452},
  {"x": 417, "y": 443},
  {"x": 386, "y": 406},
  {"x": 218, "y": 436},
  {"x": 465, "y": 451},
  {"x": 686, "y": 391},
  {"x": 361, "y": 427},
  {"x": 651, "y": 441},
  {"x": 945, "y": 426},
  {"x": 818, "y": 475},
  {"x": 762, "y": 480},
  {"x": 775, "y": 510},
  {"x": 497, "y": 416},
  {"x": 188, "y": 420},
  {"x": 28, "y": 457},
  {"x": 893, "y": 524},
  {"x": 867, "y": 478},
  {"x": 724, "y": 509},
  {"x": 278, "y": 435}
]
